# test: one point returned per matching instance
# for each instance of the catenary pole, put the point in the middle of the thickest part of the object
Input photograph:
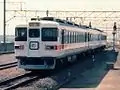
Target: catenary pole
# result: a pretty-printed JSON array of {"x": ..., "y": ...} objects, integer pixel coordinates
[{"x": 4, "y": 25}]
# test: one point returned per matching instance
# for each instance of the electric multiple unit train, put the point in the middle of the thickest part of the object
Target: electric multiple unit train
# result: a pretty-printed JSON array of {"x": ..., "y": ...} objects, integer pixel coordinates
[{"x": 44, "y": 43}]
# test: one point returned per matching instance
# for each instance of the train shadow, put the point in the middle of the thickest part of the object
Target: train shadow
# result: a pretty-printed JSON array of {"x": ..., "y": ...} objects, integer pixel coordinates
[
  {"x": 92, "y": 70},
  {"x": 87, "y": 72}
]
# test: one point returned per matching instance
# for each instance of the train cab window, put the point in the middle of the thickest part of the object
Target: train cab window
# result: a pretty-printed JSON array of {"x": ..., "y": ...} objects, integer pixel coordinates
[
  {"x": 49, "y": 34},
  {"x": 34, "y": 33},
  {"x": 21, "y": 34}
]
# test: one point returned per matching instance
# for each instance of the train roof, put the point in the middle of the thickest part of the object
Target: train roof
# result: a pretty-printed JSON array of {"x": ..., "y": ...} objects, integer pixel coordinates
[
  {"x": 21, "y": 25},
  {"x": 64, "y": 22}
]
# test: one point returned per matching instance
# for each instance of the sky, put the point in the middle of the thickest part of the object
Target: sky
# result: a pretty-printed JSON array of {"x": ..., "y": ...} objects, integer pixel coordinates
[{"x": 75, "y": 5}]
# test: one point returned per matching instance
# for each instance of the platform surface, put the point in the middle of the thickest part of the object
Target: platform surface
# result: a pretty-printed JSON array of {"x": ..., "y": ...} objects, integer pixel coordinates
[
  {"x": 7, "y": 58},
  {"x": 99, "y": 78},
  {"x": 112, "y": 79}
]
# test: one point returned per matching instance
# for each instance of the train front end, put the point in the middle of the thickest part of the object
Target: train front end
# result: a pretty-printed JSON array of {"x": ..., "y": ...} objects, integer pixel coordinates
[{"x": 39, "y": 52}]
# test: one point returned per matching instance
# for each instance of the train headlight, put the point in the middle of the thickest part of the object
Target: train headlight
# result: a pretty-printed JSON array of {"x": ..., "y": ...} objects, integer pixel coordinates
[{"x": 34, "y": 45}]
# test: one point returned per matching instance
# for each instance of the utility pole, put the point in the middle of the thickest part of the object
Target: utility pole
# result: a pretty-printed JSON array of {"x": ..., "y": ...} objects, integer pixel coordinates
[
  {"x": 47, "y": 12},
  {"x": 4, "y": 26},
  {"x": 114, "y": 32},
  {"x": 90, "y": 25}
]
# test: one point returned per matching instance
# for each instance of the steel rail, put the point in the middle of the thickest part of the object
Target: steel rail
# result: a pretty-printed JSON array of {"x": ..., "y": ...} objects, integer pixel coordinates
[
  {"x": 8, "y": 65},
  {"x": 17, "y": 81}
]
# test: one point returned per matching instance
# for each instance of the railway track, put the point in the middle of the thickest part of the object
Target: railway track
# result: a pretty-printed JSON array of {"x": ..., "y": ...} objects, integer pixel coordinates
[
  {"x": 8, "y": 65},
  {"x": 17, "y": 81}
]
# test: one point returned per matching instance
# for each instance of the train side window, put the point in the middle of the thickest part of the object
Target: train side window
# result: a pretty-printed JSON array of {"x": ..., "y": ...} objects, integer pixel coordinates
[
  {"x": 98, "y": 37},
  {"x": 65, "y": 36},
  {"x": 69, "y": 37},
  {"x": 78, "y": 37},
  {"x": 85, "y": 37},
  {"x": 73, "y": 37},
  {"x": 49, "y": 34}
]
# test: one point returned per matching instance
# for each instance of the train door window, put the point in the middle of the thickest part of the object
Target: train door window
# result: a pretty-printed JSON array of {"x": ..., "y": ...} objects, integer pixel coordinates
[
  {"x": 86, "y": 37},
  {"x": 65, "y": 36},
  {"x": 70, "y": 37},
  {"x": 105, "y": 37},
  {"x": 89, "y": 37},
  {"x": 21, "y": 34},
  {"x": 34, "y": 33},
  {"x": 62, "y": 34},
  {"x": 49, "y": 34}
]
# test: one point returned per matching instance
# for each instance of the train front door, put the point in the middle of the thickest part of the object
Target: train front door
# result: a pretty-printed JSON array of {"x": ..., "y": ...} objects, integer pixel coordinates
[{"x": 34, "y": 42}]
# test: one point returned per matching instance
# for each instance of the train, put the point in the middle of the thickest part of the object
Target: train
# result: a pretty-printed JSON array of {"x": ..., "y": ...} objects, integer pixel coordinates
[{"x": 44, "y": 43}]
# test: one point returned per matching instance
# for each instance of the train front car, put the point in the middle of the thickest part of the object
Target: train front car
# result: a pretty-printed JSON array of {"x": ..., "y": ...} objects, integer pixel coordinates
[{"x": 42, "y": 38}]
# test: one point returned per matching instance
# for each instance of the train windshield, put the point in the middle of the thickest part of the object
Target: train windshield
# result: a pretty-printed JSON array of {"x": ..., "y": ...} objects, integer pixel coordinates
[
  {"x": 34, "y": 33},
  {"x": 21, "y": 34},
  {"x": 49, "y": 34}
]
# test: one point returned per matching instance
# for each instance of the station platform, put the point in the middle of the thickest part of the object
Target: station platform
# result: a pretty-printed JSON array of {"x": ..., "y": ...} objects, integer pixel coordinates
[
  {"x": 7, "y": 58},
  {"x": 111, "y": 81}
]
